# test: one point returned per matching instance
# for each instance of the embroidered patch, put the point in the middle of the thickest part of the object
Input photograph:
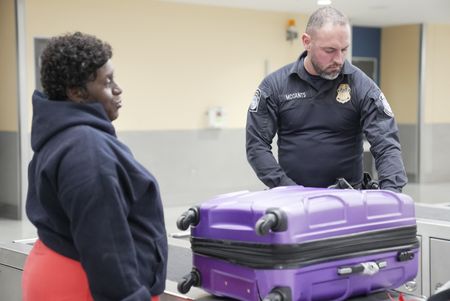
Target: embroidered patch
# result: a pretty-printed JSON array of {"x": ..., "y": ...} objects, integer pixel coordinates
[
  {"x": 386, "y": 107},
  {"x": 343, "y": 93},
  {"x": 255, "y": 101}
]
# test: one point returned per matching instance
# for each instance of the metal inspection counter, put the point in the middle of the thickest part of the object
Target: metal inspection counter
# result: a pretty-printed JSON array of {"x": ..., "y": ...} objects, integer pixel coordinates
[{"x": 13, "y": 255}]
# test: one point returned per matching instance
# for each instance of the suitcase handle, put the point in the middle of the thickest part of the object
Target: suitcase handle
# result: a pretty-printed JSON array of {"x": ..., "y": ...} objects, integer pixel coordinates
[
  {"x": 368, "y": 183},
  {"x": 341, "y": 183},
  {"x": 366, "y": 268}
]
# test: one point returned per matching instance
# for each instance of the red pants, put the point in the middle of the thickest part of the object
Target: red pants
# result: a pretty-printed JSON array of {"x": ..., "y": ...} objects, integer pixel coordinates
[{"x": 49, "y": 276}]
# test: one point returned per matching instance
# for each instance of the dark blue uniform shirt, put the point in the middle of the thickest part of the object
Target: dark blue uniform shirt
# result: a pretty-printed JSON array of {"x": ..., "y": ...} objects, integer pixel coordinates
[{"x": 320, "y": 126}]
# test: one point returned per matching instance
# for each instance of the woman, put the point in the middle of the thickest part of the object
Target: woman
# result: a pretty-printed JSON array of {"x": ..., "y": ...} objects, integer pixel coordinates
[{"x": 97, "y": 211}]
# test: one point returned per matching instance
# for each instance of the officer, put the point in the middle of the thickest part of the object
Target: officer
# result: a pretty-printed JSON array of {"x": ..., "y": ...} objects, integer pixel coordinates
[{"x": 320, "y": 106}]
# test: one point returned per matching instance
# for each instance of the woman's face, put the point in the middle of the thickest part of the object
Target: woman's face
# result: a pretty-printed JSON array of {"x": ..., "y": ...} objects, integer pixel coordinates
[{"x": 105, "y": 90}]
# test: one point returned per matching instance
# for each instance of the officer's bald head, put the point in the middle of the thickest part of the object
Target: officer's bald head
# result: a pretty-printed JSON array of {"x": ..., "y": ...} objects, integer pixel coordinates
[{"x": 323, "y": 16}]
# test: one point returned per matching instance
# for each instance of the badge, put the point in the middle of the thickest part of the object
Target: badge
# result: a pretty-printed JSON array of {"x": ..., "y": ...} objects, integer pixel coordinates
[
  {"x": 386, "y": 107},
  {"x": 255, "y": 101},
  {"x": 343, "y": 93}
]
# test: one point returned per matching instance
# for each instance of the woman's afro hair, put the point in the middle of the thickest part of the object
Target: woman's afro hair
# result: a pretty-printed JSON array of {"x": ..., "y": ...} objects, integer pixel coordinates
[{"x": 70, "y": 61}]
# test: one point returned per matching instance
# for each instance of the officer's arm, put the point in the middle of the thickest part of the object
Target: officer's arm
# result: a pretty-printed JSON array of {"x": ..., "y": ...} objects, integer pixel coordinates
[
  {"x": 382, "y": 133},
  {"x": 261, "y": 128}
]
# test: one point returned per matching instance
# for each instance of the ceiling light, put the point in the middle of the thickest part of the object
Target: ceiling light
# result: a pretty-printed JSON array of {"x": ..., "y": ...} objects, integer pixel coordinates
[{"x": 323, "y": 2}]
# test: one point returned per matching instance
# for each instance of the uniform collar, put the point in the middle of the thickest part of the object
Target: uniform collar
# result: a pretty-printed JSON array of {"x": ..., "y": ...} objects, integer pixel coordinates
[{"x": 299, "y": 69}]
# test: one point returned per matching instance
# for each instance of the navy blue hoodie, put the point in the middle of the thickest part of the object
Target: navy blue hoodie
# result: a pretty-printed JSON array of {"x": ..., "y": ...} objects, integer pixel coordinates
[{"x": 93, "y": 202}]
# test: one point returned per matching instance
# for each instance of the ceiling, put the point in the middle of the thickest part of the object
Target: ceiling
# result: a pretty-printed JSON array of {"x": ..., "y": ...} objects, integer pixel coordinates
[{"x": 378, "y": 13}]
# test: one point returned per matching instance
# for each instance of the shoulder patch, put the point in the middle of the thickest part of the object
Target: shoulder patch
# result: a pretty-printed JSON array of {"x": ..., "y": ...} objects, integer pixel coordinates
[
  {"x": 255, "y": 101},
  {"x": 386, "y": 107}
]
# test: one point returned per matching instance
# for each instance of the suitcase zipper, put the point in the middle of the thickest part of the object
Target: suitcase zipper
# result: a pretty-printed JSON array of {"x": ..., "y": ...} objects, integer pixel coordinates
[{"x": 278, "y": 256}]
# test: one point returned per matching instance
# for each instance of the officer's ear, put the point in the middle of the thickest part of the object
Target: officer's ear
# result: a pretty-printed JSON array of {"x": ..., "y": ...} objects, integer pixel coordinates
[{"x": 306, "y": 40}]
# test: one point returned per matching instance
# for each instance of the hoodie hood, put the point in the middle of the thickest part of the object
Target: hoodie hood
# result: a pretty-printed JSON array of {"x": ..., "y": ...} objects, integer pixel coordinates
[{"x": 52, "y": 117}]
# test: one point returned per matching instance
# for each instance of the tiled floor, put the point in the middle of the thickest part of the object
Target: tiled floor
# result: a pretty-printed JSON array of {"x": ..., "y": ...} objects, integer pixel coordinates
[{"x": 424, "y": 193}]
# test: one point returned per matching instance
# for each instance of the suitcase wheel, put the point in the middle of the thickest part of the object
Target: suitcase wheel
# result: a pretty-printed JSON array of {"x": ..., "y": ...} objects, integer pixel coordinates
[
  {"x": 274, "y": 220},
  {"x": 279, "y": 294},
  {"x": 190, "y": 217},
  {"x": 191, "y": 279}
]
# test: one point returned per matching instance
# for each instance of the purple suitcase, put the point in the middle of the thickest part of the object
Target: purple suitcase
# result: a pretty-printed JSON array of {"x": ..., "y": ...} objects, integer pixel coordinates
[{"x": 297, "y": 243}]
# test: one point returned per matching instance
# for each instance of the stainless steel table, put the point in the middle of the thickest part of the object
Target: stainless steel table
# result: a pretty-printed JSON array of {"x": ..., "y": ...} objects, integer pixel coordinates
[{"x": 12, "y": 259}]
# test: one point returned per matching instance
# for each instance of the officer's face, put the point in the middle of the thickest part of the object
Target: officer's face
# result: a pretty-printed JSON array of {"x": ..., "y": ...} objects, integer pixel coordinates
[{"x": 327, "y": 49}]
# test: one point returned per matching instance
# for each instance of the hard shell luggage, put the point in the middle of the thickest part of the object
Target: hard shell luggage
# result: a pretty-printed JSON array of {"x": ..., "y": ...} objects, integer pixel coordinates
[{"x": 297, "y": 243}]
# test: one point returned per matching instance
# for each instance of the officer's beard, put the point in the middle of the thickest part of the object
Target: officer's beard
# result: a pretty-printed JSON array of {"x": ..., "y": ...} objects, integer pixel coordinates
[
  {"x": 329, "y": 76},
  {"x": 323, "y": 73}
]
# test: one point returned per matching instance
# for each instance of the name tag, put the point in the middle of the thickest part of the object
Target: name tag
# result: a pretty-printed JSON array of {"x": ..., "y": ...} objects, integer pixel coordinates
[{"x": 296, "y": 95}]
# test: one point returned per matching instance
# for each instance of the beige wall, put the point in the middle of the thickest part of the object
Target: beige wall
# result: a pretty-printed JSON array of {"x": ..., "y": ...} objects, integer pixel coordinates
[
  {"x": 399, "y": 77},
  {"x": 173, "y": 60},
  {"x": 437, "y": 80},
  {"x": 400, "y": 71},
  {"x": 8, "y": 70}
]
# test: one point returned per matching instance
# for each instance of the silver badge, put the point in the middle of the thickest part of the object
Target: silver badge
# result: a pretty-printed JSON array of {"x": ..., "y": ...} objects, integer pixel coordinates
[
  {"x": 255, "y": 101},
  {"x": 343, "y": 93}
]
